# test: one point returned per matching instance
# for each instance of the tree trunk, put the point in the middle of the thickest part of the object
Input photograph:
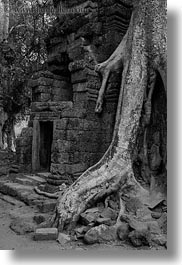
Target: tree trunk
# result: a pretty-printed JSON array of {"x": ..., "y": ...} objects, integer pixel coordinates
[
  {"x": 1, "y": 20},
  {"x": 4, "y": 19},
  {"x": 3, "y": 118},
  {"x": 141, "y": 54}
]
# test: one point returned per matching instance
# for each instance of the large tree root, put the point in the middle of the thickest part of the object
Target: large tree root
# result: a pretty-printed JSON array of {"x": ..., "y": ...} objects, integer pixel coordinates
[
  {"x": 113, "y": 64},
  {"x": 93, "y": 187},
  {"x": 113, "y": 173}
]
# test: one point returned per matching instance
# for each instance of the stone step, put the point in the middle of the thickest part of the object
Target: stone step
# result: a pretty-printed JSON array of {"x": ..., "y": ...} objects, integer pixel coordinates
[
  {"x": 35, "y": 179},
  {"x": 21, "y": 192},
  {"x": 11, "y": 200},
  {"x": 47, "y": 205},
  {"x": 44, "y": 175},
  {"x": 24, "y": 181},
  {"x": 26, "y": 194}
]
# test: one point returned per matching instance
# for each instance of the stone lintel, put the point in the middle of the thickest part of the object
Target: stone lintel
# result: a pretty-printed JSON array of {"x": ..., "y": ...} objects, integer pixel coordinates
[{"x": 51, "y": 106}]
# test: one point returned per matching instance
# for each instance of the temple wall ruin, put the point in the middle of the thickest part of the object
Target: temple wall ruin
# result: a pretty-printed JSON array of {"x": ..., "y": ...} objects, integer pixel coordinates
[{"x": 64, "y": 96}]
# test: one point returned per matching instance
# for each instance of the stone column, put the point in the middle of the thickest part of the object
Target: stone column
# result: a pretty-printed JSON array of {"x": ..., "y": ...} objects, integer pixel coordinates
[
  {"x": 36, "y": 146},
  {"x": 1, "y": 142},
  {"x": 3, "y": 118}
]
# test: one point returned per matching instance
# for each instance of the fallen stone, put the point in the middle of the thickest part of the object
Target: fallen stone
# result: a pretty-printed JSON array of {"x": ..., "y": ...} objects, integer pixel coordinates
[
  {"x": 154, "y": 228},
  {"x": 139, "y": 238},
  {"x": 44, "y": 175},
  {"x": 159, "y": 240},
  {"x": 133, "y": 205},
  {"x": 162, "y": 221},
  {"x": 157, "y": 202},
  {"x": 105, "y": 221},
  {"x": 138, "y": 225},
  {"x": 80, "y": 231},
  {"x": 109, "y": 213},
  {"x": 100, "y": 205},
  {"x": 156, "y": 215},
  {"x": 93, "y": 210},
  {"x": 123, "y": 231},
  {"x": 87, "y": 218},
  {"x": 63, "y": 238},
  {"x": 101, "y": 234},
  {"x": 39, "y": 219},
  {"x": 143, "y": 213},
  {"x": 46, "y": 205},
  {"x": 46, "y": 234},
  {"x": 114, "y": 205}
]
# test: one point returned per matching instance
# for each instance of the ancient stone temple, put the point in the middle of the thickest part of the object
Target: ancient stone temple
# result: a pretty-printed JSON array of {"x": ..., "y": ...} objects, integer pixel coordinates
[{"x": 67, "y": 136}]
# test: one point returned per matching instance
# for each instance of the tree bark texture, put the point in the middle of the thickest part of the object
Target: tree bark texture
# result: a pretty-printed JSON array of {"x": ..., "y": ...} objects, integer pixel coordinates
[
  {"x": 141, "y": 55},
  {"x": 4, "y": 19}
]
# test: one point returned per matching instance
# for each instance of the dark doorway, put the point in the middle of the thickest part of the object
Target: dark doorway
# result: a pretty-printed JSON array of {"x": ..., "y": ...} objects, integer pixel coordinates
[{"x": 46, "y": 135}]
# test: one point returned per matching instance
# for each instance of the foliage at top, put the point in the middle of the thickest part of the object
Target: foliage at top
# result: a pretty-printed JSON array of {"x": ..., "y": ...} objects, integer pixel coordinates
[{"x": 23, "y": 53}]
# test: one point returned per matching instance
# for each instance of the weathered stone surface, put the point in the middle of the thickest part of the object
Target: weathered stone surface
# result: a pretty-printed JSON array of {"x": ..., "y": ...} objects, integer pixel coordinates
[
  {"x": 46, "y": 234},
  {"x": 137, "y": 225},
  {"x": 14, "y": 189},
  {"x": 156, "y": 215},
  {"x": 105, "y": 221},
  {"x": 109, "y": 213},
  {"x": 113, "y": 205},
  {"x": 47, "y": 205},
  {"x": 51, "y": 106},
  {"x": 26, "y": 194},
  {"x": 79, "y": 87},
  {"x": 101, "y": 234},
  {"x": 87, "y": 218},
  {"x": 80, "y": 231},
  {"x": 39, "y": 219},
  {"x": 92, "y": 210},
  {"x": 71, "y": 72},
  {"x": 162, "y": 221},
  {"x": 123, "y": 231},
  {"x": 133, "y": 204},
  {"x": 139, "y": 238},
  {"x": 35, "y": 179},
  {"x": 156, "y": 202},
  {"x": 3, "y": 171},
  {"x": 11, "y": 200},
  {"x": 159, "y": 240},
  {"x": 154, "y": 228},
  {"x": 24, "y": 181},
  {"x": 41, "y": 81},
  {"x": 21, "y": 225},
  {"x": 63, "y": 238}
]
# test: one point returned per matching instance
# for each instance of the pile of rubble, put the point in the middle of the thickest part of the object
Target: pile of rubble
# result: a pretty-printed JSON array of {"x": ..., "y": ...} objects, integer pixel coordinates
[
  {"x": 101, "y": 224},
  {"x": 140, "y": 225}
]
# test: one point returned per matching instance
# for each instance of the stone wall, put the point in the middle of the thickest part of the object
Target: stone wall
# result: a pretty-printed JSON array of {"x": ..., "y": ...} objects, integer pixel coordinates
[
  {"x": 66, "y": 93},
  {"x": 24, "y": 149}
]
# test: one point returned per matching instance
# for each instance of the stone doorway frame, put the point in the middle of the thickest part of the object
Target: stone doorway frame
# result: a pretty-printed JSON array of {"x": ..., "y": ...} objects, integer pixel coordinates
[{"x": 36, "y": 145}]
